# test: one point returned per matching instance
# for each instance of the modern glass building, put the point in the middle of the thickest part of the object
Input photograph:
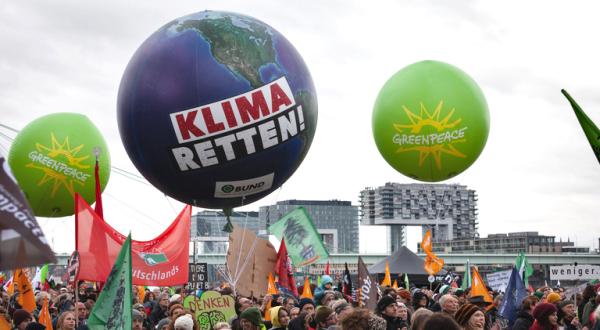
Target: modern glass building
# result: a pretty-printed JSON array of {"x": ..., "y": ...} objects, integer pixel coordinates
[
  {"x": 207, "y": 228},
  {"x": 336, "y": 221}
]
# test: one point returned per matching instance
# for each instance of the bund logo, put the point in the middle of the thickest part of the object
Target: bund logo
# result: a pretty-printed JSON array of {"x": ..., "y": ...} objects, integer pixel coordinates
[
  {"x": 442, "y": 137},
  {"x": 61, "y": 165},
  {"x": 153, "y": 259}
]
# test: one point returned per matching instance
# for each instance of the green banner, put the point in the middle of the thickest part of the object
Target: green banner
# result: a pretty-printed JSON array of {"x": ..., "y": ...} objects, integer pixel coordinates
[
  {"x": 113, "y": 307},
  {"x": 304, "y": 244},
  {"x": 589, "y": 128},
  {"x": 210, "y": 309}
]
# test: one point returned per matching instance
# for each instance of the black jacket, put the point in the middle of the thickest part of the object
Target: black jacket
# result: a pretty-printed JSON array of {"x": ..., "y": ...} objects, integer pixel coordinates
[{"x": 523, "y": 322}]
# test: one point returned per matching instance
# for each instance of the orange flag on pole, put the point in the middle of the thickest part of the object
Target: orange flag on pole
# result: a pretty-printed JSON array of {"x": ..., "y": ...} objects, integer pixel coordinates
[
  {"x": 26, "y": 297},
  {"x": 433, "y": 264},
  {"x": 478, "y": 287},
  {"x": 387, "y": 280},
  {"x": 271, "y": 289},
  {"x": 141, "y": 293},
  {"x": 4, "y": 323},
  {"x": 306, "y": 291},
  {"x": 45, "y": 317},
  {"x": 395, "y": 284}
]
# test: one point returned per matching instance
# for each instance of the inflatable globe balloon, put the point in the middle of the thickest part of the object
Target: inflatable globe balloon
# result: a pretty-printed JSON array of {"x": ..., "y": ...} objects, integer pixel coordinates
[
  {"x": 53, "y": 158},
  {"x": 430, "y": 121},
  {"x": 217, "y": 109}
]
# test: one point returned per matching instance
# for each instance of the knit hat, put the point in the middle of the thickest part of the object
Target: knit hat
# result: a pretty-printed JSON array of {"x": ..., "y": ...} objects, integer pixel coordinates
[
  {"x": 565, "y": 303},
  {"x": 274, "y": 312},
  {"x": 326, "y": 279},
  {"x": 136, "y": 315},
  {"x": 542, "y": 311},
  {"x": 539, "y": 294},
  {"x": 444, "y": 289},
  {"x": 376, "y": 323},
  {"x": 174, "y": 297},
  {"x": 184, "y": 322},
  {"x": 384, "y": 302},
  {"x": 21, "y": 315},
  {"x": 305, "y": 301},
  {"x": 35, "y": 326},
  {"x": 464, "y": 313},
  {"x": 174, "y": 307},
  {"x": 405, "y": 294},
  {"x": 252, "y": 314},
  {"x": 162, "y": 323},
  {"x": 322, "y": 314},
  {"x": 553, "y": 298}
]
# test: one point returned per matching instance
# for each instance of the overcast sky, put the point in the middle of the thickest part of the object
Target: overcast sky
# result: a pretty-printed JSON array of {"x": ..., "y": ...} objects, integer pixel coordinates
[{"x": 536, "y": 173}]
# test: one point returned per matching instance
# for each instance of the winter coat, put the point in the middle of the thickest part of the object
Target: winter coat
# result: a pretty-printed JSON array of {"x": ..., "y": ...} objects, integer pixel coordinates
[
  {"x": 537, "y": 326},
  {"x": 524, "y": 321},
  {"x": 587, "y": 310},
  {"x": 393, "y": 323}
]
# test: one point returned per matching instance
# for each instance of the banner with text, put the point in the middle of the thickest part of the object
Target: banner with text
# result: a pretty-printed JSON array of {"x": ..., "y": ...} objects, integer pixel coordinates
[
  {"x": 211, "y": 308},
  {"x": 499, "y": 280},
  {"x": 198, "y": 277},
  {"x": 572, "y": 272}
]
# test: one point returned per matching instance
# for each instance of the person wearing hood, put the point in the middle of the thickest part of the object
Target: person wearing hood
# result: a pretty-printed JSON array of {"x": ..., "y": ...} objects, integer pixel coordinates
[
  {"x": 279, "y": 317},
  {"x": 525, "y": 318},
  {"x": 326, "y": 285},
  {"x": 419, "y": 300},
  {"x": 545, "y": 317}
]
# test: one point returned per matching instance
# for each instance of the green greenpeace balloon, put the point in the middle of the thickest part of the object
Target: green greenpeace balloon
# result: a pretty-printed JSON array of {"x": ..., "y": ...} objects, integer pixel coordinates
[
  {"x": 53, "y": 158},
  {"x": 430, "y": 121}
]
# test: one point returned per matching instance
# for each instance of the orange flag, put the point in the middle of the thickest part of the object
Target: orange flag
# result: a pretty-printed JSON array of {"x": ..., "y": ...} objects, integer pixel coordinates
[
  {"x": 141, "y": 293},
  {"x": 387, "y": 280},
  {"x": 433, "y": 264},
  {"x": 26, "y": 297},
  {"x": 4, "y": 323},
  {"x": 395, "y": 285},
  {"x": 44, "y": 317},
  {"x": 271, "y": 289},
  {"x": 478, "y": 286},
  {"x": 306, "y": 292}
]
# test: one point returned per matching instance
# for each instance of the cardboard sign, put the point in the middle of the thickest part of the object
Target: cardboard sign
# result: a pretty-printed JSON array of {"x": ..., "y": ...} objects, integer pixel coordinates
[{"x": 210, "y": 309}]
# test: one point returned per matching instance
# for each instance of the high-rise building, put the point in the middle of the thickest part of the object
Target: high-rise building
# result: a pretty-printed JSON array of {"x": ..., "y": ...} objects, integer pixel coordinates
[
  {"x": 207, "y": 228},
  {"x": 336, "y": 221},
  {"x": 450, "y": 211}
]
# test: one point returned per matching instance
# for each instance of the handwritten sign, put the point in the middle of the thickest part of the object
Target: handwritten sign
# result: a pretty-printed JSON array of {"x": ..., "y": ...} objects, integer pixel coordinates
[{"x": 210, "y": 309}]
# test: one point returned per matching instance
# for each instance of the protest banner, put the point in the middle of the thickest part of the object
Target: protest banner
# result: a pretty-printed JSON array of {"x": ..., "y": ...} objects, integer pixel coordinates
[
  {"x": 574, "y": 272},
  {"x": 499, "y": 280},
  {"x": 210, "y": 309}
]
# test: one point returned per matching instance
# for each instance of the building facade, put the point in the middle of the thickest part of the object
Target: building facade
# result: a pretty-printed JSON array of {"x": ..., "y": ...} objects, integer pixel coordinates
[
  {"x": 336, "y": 221},
  {"x": 528, "y": 242},
  {"x": 450, "y": 211},
  {"x": 207, "y": 229}
]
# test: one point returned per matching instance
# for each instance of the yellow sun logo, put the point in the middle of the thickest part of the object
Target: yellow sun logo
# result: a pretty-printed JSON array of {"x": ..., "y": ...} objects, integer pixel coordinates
[
  {"x": 58, "y": 173},
  {"x": 441, "y": 141}
]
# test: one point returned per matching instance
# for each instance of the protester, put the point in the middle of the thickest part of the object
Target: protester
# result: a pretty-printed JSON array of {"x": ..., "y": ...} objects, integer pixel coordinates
[
  {"x": 419, "y": 300},
  {"x": 250, "y": 319},
  {"x": 588, "y": 310},
  {"x": 163, "y": 324},
  {"x": 299, "y": 322},
  {"x": 403, "y": 313},
  {"x": 326, "y": 285},
  {"x": 441, "y": 321},
  {"x": 21, "y": 318},
  {"x": 184, "y": 322},
  {"x": 160, "y": 310},
  {"x": 566, "y": 315},
  {"x": 360, "y": 319},
  {"x": 66, "y": 321},
  {"x": 222, "y": 326},
  {"x": 448, "y": 304},
  {"x": 294, "y": 311},
  {"x": 324, "y": 317},
  {"x": 419, "y": 317},
  {"x": 279, "y": 317},
  {"x": 470, "y": 317},
  {"x": 545, "y": 316},
  {"x": 525, "y": 318},
  {"x": 306, "y": 305},
  {"x": 387, "y": 308},
  {"x": 137, "y": 320}
]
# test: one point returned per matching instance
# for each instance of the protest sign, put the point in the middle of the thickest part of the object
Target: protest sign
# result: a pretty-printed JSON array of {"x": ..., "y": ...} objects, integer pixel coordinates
[
  {"x": 210, "y": 309},
  {"x": 499, "y": 280},
  {"x": 198, "y": 277},
  {"x": 572, "y": 272}
]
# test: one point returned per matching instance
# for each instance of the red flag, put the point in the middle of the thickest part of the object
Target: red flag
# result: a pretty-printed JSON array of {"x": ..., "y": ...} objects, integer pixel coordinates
[
  {"x": 162, "y": 261},
  {"x": 327, "y": 270},
  {"x": 283, "y": 268},
  {"x": 98, "y": 206}
]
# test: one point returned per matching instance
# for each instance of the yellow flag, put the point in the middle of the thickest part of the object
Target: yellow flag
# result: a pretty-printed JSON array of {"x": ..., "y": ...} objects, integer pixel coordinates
[
  {"x": 478, "y": 286},
  {"x": 45, "y": 317},
  {"x": 395, "y": 284},
  {"x": 387, "y": 280},
  {"x": 306, "y": 292},
  {"x": 26, "y": 297},
  {"x": 271, "y": 289}
]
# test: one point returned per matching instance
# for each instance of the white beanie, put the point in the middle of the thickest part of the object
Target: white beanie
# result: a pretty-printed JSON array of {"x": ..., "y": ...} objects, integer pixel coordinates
[
  {"x": 184, "y": 322},
  {"x": 175, "y": 297}
]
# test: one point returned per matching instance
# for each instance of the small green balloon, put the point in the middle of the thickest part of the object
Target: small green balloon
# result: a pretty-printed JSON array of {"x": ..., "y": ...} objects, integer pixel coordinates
[
  {"x": 430, "y": 121},
  {"x": 54, "y": 157}
]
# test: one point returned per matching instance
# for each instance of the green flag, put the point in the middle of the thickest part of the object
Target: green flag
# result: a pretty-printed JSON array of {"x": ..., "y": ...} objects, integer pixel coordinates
[
  {"x": 304, "y": 244},
  {"x": 406, "y": 283},
  {"x": 589, "y": 128},
  {"x": 524, "y": 268},
  {"x": 113, "y": 307},
  {"x": 466, "y": 281}
]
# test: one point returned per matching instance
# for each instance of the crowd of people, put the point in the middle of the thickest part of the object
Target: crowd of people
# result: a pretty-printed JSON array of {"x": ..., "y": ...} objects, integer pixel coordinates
[{"x": 445, "y": 308}]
